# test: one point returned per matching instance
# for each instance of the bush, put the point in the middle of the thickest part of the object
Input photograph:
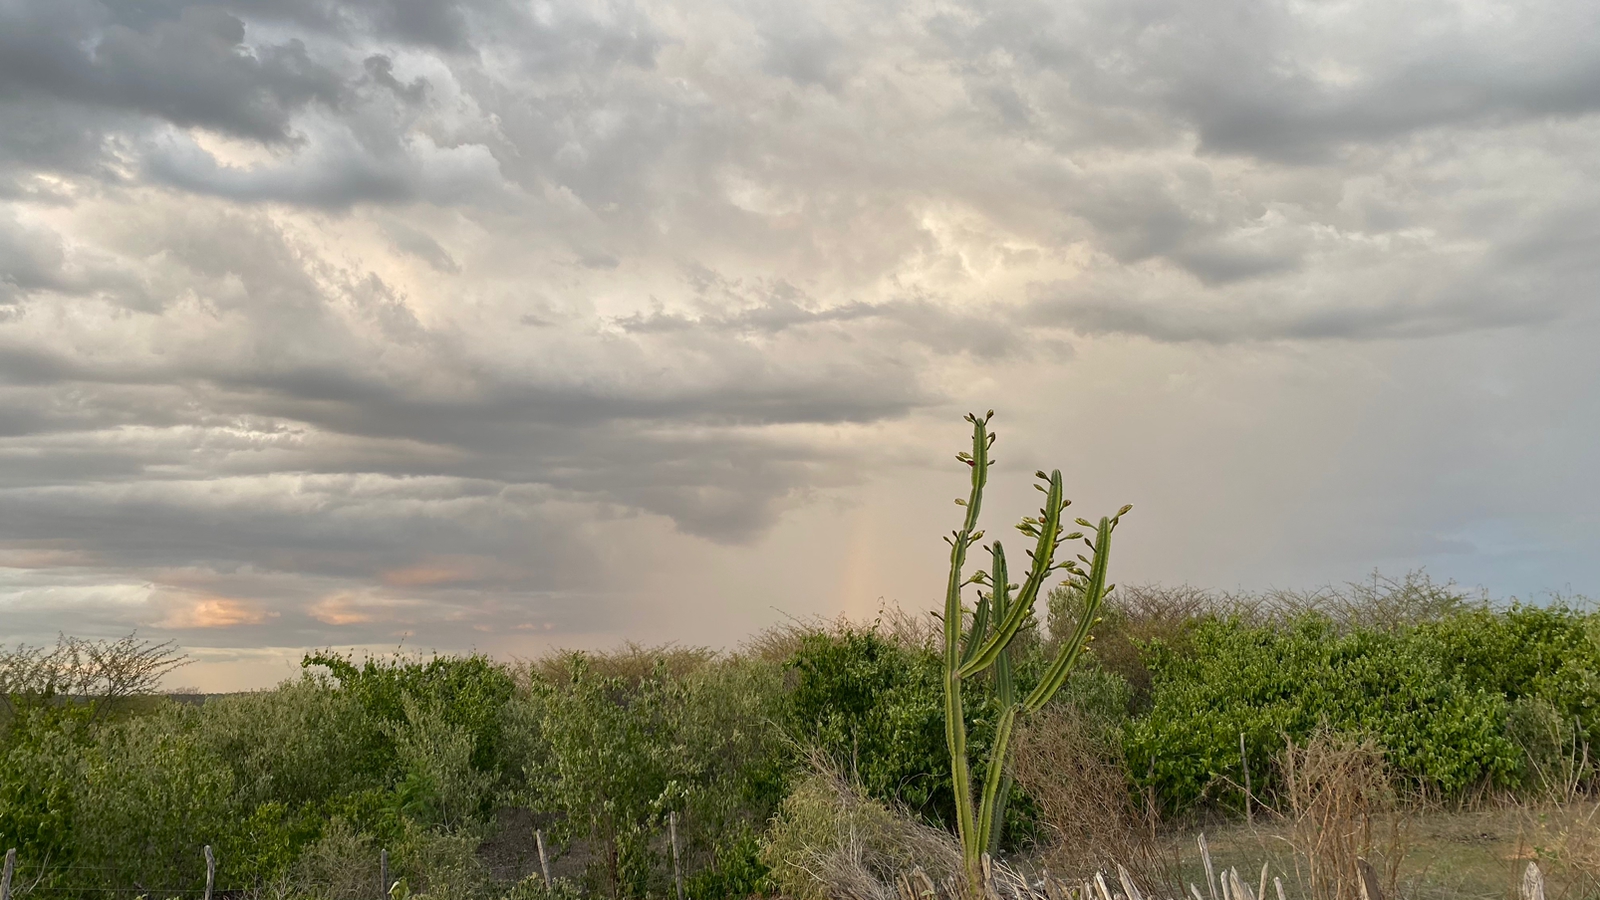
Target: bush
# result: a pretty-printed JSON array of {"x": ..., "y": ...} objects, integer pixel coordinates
[
  {"x": 150, "y": 798},
  {"x": 299, "y": 743},
  {"x": 611, "y": 755},
  {"x": 41, "y": 765},
  {"x": 1437, "y": 695},
  {"x": 875, "y": 709},
  {"x": 1069, "y": 761},
  {"x": 832, "y": 840}
]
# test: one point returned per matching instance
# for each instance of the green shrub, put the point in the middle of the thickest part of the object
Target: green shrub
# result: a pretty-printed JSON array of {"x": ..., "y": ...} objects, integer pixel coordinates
[
  {"x": 470, "y": 692},
  {"x": 299, "y": 743},
  {"x": 150, "y": 798},
  {"x": 41, "y": 765},
  {"x": 737, "y": 871},
  {"x": 613, "y": 752},
  {"x": 875, "y": 709},
  {"x": 1442, "y": 728}
]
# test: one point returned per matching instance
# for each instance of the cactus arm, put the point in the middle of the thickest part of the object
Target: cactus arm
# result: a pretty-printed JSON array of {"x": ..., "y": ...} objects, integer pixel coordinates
[
  {"x": 955, "y": 725},
  {"x": 988, "y": 822},
  {"x": 992, "y": 604},
  {"x": 995, "y": 818},
  {"x": 1047, "y": 530},
  {"x": 980, "y": 627},
  {"x": 1094, "y": 592}
]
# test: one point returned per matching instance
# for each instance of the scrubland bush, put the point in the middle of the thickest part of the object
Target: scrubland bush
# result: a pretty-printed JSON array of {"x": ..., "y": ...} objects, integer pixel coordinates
[
  {"x": 149, "y": 796},
  {"x": 831, "y": 840},
  {"x": 1337, "y": 790},
  {"x": 1452, "y": 700}
]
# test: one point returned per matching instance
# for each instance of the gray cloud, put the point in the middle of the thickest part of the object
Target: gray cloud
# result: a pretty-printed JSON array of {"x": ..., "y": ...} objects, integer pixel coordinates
[
  {"x": 191, "y": 70},
  {"x": 337, "y": 320}
]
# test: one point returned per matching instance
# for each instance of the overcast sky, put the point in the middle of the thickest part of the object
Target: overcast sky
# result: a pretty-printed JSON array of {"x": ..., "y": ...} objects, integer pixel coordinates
[{"x": 511, "y": 325}]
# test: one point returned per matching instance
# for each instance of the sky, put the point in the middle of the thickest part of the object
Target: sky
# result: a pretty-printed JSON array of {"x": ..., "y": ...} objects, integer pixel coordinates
[{"x": 503, "y": 325}]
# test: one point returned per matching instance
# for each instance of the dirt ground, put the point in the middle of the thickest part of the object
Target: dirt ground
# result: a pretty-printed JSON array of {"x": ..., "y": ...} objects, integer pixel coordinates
[{"x": 1460, "y": 855}]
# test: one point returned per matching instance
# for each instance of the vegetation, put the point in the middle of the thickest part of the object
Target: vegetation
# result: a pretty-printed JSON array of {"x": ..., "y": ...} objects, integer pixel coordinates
[{"x": 451, "y": 763}]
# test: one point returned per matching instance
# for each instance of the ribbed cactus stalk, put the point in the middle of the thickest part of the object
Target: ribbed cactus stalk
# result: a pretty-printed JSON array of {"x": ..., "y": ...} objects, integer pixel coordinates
[{"x": 997, "y": 618}]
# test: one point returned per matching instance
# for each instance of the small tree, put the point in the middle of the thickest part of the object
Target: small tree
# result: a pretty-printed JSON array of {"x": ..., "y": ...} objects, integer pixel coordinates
[
  {"x": 98, "y": 673},
  {"x": 995, "y": 622}
]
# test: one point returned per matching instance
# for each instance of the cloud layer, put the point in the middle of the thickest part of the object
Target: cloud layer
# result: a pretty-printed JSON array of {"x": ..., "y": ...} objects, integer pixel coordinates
[{"x": 331, "y": 322}]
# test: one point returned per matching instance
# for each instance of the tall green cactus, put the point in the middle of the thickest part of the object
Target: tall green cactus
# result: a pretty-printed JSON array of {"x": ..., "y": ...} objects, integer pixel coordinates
[{"x": 995, "y": 622}]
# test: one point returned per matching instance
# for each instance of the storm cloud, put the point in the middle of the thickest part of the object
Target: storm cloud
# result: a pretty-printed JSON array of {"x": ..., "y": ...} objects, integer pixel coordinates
[{"x": 502, "y": 324}]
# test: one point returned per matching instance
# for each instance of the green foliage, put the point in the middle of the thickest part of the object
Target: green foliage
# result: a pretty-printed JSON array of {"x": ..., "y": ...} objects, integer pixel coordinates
[
  {"x": 151, "y": 796},
  {"x": 533, "y": 888},
  {"x": 1437, "y": 695},
  {"x": 41, "y": 763},
  {"x": 737, "y": 871},
  {"x": 609, "y": 773},
  {"x": 299, "y": 787},
  {"x": 618, "y": 753},
  {"x": 1548, "y": 652},
  {"x": 467, "y": 691},
  {"x": 298, "y": 744},
  {"x": 875, "y": 708}
]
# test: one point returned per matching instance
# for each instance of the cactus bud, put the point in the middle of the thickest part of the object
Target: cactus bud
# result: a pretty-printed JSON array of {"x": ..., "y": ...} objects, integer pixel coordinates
[{"x": 1084, "y": 522}]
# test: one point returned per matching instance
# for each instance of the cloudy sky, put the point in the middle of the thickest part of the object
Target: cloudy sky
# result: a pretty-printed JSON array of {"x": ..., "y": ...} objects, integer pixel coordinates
[{"x": 518, "y": 323}]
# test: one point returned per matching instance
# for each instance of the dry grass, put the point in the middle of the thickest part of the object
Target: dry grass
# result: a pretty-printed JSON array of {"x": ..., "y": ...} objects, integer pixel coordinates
[
  {"x": 1577, "y": 848},
  {"x": 913, "y": 630},
  {"x": 1341, "y": 810},
  {"x": 832, "y": 842},
  {"x": 632, "y": 663},
  {"x": 1074, "y": 772}
]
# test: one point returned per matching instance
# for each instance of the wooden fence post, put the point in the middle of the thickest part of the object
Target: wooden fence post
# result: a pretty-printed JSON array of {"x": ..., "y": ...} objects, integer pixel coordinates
[
  {"x": 211, "y": 871},
  {"x": 1532, "y": 883},
  {"x": 677, "y": 866},
  {"x": 1244, "y": 763},
  {"x": 5, "y": 877},
  {"x": 383, "y": 873},
  {"x": 1368, "y": 885},
  {"x": 544, "y": 861}
]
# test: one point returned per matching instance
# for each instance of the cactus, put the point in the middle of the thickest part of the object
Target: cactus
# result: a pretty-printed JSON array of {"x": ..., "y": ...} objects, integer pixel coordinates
[{"x": 996, "y": 619}]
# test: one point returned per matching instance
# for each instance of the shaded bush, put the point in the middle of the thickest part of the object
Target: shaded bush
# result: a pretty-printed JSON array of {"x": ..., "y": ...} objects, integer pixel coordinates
[{"x": 831, "y": 840}]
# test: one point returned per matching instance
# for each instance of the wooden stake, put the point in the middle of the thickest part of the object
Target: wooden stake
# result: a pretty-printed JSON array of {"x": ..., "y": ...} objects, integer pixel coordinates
[
  {"x": 544, "y": 861},
  {"x": 1244, "y": 763},
  {"x": 383, "y": 874},
  {"x": 1211, "y": 875},
  {"x": 677, "y": 866},
  {"x": 1368, "y": 884},
  {"x": 211, "y": 871},
  {"x": 5, "y": 877},
  {"x": 1532, "y": 882}
]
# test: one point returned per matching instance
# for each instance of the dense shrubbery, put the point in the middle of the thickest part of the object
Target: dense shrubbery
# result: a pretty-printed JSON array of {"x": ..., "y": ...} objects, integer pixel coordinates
[
  {"x": 450, "y": 763},
  {"x": 1438, "y": 695}
]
